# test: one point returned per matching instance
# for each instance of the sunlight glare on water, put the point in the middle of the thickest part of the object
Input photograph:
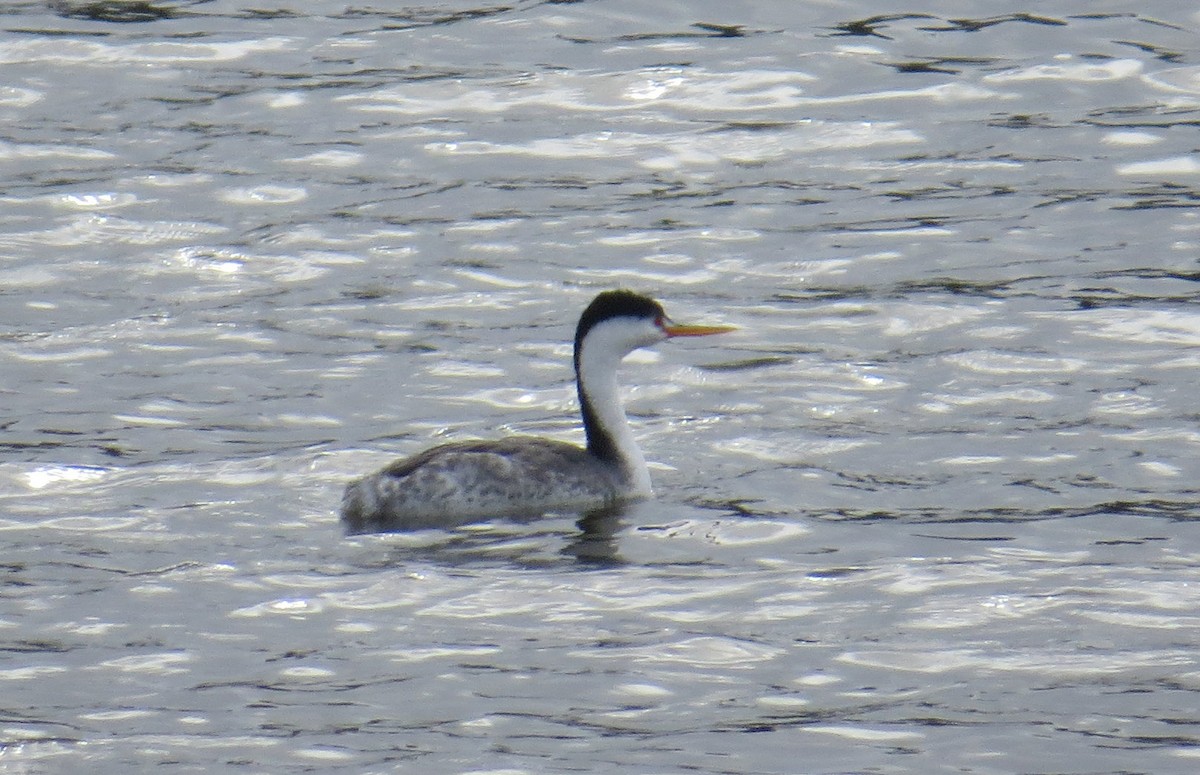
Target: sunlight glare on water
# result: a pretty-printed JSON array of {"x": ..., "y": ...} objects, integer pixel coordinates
[{"x": 932, "y": 507}]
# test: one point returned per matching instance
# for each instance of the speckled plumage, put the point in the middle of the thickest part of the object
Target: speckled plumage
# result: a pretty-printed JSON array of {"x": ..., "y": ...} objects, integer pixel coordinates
[
  {"x": 466, "y": 481},
  {"x": 457, "y": 483}
]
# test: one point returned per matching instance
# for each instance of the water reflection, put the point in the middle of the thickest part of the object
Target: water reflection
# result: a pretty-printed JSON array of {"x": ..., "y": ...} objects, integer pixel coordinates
[
  {"x": 597, "y": 543},
  {"x": 591, "y": 541},
  {"x": 541, "y": 542},
  {"x": 940, "y": 499}
]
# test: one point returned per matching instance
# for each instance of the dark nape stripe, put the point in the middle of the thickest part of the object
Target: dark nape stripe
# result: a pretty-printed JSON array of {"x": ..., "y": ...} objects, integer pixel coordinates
[
  {"x": 607, "y": 305},
  {"x": 599, "y": 441}
]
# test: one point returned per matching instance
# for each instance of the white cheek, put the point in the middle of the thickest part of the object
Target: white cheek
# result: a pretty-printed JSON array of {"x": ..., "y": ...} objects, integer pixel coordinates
[{"x": 654, "y": 337}]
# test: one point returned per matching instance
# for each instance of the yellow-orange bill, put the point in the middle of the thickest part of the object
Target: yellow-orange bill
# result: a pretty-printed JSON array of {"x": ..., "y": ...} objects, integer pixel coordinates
[{"x": 675, "y": 330}]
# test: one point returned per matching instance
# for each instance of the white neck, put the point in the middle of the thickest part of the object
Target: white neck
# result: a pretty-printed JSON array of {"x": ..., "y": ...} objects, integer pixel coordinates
[{"x": 598, "y": 364}]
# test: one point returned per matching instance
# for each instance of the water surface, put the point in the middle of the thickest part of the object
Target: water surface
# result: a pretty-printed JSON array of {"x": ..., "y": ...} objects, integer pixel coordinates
[{"x": 933, "y": 508}]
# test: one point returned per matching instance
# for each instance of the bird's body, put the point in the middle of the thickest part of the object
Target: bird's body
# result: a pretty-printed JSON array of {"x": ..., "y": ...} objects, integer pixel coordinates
[
  {"x": 465, "y": 481},
  {"x": 457, "y": 483}
]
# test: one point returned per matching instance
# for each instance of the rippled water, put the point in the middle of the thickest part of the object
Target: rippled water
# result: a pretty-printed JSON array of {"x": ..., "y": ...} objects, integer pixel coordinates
[{"x": 933, "y": 509}]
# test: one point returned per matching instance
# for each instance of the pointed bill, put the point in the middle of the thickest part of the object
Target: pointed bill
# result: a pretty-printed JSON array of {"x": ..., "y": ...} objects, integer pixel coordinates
[{"x": 672, "y": 329}]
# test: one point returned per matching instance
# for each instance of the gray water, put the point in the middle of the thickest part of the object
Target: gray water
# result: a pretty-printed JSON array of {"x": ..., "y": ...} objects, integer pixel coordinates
[{"x": 932, "y": 509}]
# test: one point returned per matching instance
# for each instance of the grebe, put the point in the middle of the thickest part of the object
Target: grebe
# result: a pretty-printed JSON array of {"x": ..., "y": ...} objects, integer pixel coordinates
[{"x": 467, "y": 481}]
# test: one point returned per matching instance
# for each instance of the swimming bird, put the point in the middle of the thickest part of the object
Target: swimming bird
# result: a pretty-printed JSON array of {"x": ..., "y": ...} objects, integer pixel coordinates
[{"x": 468, "y": 481}]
